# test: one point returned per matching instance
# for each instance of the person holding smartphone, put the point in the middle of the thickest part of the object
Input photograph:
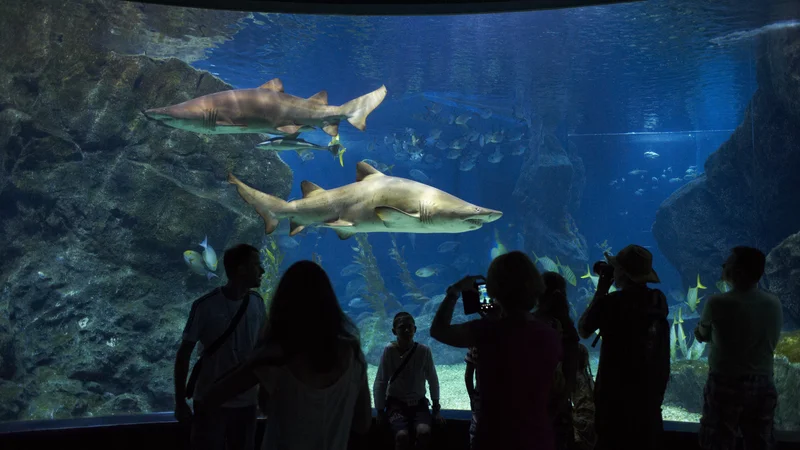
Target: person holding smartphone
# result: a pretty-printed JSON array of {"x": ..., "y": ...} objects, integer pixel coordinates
[{"x": 519, "y": 354}]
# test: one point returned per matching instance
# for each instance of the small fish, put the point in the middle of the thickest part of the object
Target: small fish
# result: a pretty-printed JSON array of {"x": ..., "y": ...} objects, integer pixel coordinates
[
  {"x": 676, "y": 180},
  {"x": 673, "y": 343},
  {"x": 195, "y": 262},
  {"x": 637, "y": 172},
  {"x": 288, "y": 242},
  {"x": 466, "y": 165},
  {"x": 723, "y": 286},
  {"x": 453, "y": 154},
  {"x": 209, "y": 255},
  {"x": 639, "y": 192},
  {"x": 357, "y": 303},
  {"x": 696, "y": 350},
  {"x": 547, "y": 264},
  {"x": 496, "y": 157},
  {"x": 651, "y": 155},
  {"x": 567, "y": 273},
  {"x": 486, "y": 113},
  {"x": 350, "y": 269},
  {"x": 448, "y": 246},
  {"x": 463, "y": 119},
  {"x": 691, "y": 296},
  {"x": 427, "y": 271}
]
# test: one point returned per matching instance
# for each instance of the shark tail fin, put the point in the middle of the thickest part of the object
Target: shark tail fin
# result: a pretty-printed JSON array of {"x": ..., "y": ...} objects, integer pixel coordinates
[
  {"x": 358, "y": 109},
  {"x": 267, "y": 206}
]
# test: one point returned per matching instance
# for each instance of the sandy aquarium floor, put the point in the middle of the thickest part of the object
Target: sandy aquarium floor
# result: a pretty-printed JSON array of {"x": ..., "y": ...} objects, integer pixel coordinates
[{"x": 454, "y": 394}]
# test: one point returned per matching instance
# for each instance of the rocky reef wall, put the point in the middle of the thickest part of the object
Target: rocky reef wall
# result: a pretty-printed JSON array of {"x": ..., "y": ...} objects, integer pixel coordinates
[
  {"x": 548, "y": 191},
  {"x": 747, "y": 195},
  {"x": 97, "y": 205}
]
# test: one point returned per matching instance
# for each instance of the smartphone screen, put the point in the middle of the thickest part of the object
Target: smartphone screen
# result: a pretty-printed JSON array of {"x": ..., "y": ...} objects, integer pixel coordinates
[{"x": 484, "y": 297}]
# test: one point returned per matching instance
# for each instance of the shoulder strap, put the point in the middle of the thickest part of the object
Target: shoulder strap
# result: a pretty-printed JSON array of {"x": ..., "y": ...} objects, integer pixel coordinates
[
  {"x": 232, "y": 326},
  {"x": 403, "y": 364},
  {"x": 215, "y": 346}
]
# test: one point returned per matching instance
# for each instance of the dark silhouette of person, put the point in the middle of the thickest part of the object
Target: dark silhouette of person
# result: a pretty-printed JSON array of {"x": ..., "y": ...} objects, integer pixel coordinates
[
  {"x": 742, "y": 326},
  {"x": 634, "y": 362},
  {"x": 519, "y": 355},
  {"x": 235, "y": 422},
  {"x": 401, "y": 402},
  {"x": 554, "y": 309},
  {"x": 310, "y": 363}
]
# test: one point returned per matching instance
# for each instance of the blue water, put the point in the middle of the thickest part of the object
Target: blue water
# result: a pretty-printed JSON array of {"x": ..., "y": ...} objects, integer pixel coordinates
[{"x": 628, "y": 78}]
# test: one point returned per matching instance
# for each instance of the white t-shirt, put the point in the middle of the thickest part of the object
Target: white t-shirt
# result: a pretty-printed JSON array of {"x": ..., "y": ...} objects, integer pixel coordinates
[
  {"x": 409, "y": 386},
  {"x": 302, "y": 417},
  {"x": 210, "y": 316}
]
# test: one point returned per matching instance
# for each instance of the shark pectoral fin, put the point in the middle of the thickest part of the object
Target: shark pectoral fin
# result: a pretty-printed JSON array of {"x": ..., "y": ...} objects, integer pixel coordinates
[
  {"x": 308, "y": 188},
  {"x": 295, "y": 228},
  {"x": 274, "y": 84},
  {"x": 343, "y": 233},
  {"x": 393, "y": 217},
  {"x": 320, "y": 97},
  {"x": 331, "y": 129},
  {"x": 364, "y": 170},
  {"x": 290, "y": 129}
]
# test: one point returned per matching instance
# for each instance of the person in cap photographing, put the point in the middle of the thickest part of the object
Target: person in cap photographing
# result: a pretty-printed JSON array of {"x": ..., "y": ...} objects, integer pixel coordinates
[{"x": 634, "y": 358}]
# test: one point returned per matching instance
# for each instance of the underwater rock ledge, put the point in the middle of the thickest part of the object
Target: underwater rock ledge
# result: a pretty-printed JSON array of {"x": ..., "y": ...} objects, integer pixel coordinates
[
  {"x": 747, "y": 195},
  {"x": 99, "y": 204}
]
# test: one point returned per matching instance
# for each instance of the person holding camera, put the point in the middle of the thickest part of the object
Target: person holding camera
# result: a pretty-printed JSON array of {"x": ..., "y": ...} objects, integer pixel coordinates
[
  {"x": 519, "y": 354},
  {"x": 634, "y": 359}
]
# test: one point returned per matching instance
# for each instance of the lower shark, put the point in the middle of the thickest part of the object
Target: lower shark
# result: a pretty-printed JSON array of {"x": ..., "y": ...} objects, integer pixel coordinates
[
  {"x": 266, "y": 109},
  {"x": 374, "y": 203}
]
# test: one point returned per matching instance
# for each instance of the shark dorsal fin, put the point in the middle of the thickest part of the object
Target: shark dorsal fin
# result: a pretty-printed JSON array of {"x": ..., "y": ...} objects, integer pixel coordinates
[
  {"x": 320, "y": 97},
  {"x": 364, "y": 170},
  {"x": 274, "y": 84},
  {"x": 310, "y": 188}
]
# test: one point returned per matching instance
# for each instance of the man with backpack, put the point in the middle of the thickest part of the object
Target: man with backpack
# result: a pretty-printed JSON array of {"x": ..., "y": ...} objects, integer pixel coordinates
[{"x": 634, "y": 358}]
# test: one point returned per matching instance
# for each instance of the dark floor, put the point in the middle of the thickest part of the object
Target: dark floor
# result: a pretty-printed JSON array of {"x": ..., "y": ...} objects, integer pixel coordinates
[{"x": 157, "y": 432}]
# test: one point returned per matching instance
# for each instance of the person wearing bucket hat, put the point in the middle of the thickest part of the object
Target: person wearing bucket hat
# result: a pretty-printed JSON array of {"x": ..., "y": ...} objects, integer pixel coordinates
[
  {"x": 635, "y": 263},
  {"x": 634, "y": 362}
]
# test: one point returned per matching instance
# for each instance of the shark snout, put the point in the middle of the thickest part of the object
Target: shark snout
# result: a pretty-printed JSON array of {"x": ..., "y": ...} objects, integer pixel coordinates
[
  {"x": 156, "y": 113},
  {"x": 487, "y": 216}
]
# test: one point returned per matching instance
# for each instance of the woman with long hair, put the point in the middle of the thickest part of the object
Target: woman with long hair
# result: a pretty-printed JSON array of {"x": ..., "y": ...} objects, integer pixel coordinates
[{"x": 310, "y": 364}]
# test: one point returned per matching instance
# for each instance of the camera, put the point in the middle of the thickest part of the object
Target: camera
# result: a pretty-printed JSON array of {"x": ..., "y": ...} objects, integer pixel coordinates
[
  {"x": 477, "y": 300},
  {"x": 603, "y": 269}
]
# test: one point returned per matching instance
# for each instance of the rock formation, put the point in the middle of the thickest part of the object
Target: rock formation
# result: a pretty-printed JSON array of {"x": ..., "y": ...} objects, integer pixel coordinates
[
  {"x": 747, "y": 194},
  {"x": 97, "y": 205}
]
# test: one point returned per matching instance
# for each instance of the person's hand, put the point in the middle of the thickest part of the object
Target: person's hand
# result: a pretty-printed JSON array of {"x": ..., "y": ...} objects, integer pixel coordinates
[
  {"x": 438, "y": 419},
  {"x": 182, "y": 411},
  {"x": 698, "y": 335},
  {"x": 465, "y": 284}
]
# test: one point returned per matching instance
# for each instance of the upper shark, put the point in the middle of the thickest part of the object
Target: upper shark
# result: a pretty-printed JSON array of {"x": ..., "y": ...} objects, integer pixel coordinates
[
  {"x": 374, "y": 203},
  {"x": 266, "y": 109}
]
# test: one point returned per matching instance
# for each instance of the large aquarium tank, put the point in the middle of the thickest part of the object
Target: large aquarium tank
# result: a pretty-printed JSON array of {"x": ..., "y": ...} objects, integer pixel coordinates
[{"x": 674, "y": 125}]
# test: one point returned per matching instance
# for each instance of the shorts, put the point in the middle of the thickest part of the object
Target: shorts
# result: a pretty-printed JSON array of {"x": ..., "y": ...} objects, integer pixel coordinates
[
  {"x": 406, "y": 417},
  {"x": 732, "y": 404}
]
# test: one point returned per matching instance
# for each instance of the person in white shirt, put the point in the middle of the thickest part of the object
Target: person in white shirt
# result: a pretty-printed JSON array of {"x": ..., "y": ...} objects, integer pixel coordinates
[
  {"x": 310, "y": 364},
  {"x": 399, "y": 387},
  {"x": 210, "y": 317}
]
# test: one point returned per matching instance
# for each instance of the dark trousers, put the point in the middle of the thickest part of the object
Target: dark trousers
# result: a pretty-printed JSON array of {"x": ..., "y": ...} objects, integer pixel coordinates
[
  {"x": 235, "y": 427},
  {"x": 629, "y": 427}
]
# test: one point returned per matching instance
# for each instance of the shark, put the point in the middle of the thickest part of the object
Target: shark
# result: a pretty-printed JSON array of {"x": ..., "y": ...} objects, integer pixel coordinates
[
  {"x": 266, "y": 109},
  {"x": 283, "y": 144},
  {"x": 376, "y": 202}
]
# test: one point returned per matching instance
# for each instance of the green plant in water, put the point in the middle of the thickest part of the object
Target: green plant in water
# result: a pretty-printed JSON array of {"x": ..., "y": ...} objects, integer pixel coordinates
[
  {"x": 271, "y": 260},
  {"x": 405, "y": 275},
  {"x": 376, "y": 294}
]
